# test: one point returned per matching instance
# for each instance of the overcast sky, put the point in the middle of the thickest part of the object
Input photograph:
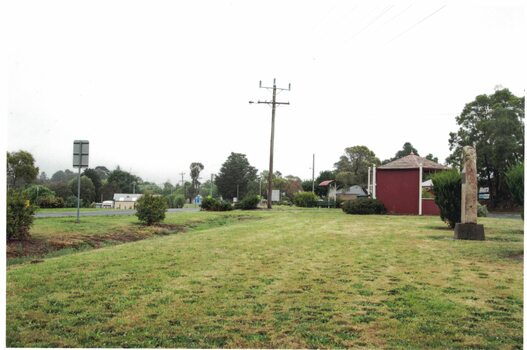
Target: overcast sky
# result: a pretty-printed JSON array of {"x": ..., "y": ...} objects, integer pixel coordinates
[{"x": 156, "y": 85}]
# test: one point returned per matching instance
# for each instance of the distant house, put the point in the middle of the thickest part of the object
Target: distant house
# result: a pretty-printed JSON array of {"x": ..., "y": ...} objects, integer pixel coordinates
[
  {"x": 351, "y": 193},
  {"x": 125, "y": 201}
]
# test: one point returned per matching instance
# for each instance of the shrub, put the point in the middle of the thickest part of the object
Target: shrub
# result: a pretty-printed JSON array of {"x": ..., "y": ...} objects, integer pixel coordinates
[
  {"x": 250, "y": 202},
  {"x": 447, "y": 189},
  {"x": 363, "y": 206},
  {"x": 482, "y": 211},
  {"x": 211, "y": 204},
  {"x": 19, "y": 216},
  {"x": 151, "y": 209},
  {"x": 50, "y": 202},
  {"x": 176, "y": 201},
  {"x": 71, "y": 202},
  {"x": 305, "y": 199},
  {"x": 514, "y": 178},
  {"x": 35, "y": 192}
]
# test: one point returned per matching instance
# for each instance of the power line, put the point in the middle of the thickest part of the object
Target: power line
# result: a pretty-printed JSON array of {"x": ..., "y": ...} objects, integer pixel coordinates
[
  {"x": 416, "y": 24},
  {"x": 375, "y": 19},
  {"x": 273, "y": 104}
]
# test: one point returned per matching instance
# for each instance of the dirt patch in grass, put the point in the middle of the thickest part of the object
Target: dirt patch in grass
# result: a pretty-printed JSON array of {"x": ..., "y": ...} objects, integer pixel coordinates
[{"x": 40, "y": 247}]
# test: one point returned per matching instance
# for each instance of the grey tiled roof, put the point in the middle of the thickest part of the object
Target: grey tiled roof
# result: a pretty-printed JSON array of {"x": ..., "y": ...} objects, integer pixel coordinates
[{"x": 412, "y": 161}]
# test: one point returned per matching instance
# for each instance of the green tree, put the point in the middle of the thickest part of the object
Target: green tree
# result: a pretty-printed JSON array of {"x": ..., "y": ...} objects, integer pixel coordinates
[
  {"x": 195, "y": 170},
  {"x": 236, "y": 172},
  {"x": 63, "y": 176},
  {"x": 123, "y": 181},
  {"x": 515, "y": 176},
  {"x": 87, "y": 189},
  {"x": 102, "y": 171},
  {"x": 356, "y": 161},
  {"x": 21, "y": 169},
  {"x": 149, "y": 187},
  {"x": 95, "y": 179},
  {"x": 151, "y": 209},
  {"x": 33, "y": 192},
  {"x": 408, "y": 149},
  {"x": 494, "y": 124},
  {"x": 19, "y": 215},
  {"x": 431, "y": 157}
]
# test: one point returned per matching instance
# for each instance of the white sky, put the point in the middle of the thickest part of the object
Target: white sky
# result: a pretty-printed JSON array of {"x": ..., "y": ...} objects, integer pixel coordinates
[{"x": 156, "y": 85}]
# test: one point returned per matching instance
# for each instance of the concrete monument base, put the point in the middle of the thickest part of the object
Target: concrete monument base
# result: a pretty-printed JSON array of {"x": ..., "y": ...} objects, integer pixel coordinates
[{"x": 474, "y": 232}]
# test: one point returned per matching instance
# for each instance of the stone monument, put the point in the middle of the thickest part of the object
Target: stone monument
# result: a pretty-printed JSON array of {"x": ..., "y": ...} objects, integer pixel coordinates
[{"x": 469, "y": 228}]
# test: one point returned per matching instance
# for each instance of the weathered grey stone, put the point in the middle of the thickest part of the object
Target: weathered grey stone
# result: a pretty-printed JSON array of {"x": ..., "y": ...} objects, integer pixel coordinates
[
  {"x": 469, "y": 231},
  {"x": 469, "y": 187},
  {"x": 468, "y": 228}
]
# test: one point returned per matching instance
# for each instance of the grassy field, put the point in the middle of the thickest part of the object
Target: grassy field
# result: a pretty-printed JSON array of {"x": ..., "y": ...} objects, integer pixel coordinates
[{"x": 280, "y": 279}]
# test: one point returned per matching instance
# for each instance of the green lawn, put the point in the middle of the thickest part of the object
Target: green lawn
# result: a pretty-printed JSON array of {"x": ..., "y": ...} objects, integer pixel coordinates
[{"x": 276, "y": 279}]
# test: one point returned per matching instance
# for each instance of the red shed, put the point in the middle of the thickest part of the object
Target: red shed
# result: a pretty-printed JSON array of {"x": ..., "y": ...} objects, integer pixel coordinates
[{"x": 398, "y": 185}]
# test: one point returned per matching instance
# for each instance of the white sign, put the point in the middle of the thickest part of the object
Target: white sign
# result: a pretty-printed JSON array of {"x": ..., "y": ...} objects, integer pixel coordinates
[
  {"x": 275, "y": 197},
  {"x": 81, "y": 149}
]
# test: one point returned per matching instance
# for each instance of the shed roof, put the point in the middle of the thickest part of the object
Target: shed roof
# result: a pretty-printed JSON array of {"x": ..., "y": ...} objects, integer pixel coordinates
[
  {"x": 412, "y": 161},
  {"x": 325, "y": 183}
]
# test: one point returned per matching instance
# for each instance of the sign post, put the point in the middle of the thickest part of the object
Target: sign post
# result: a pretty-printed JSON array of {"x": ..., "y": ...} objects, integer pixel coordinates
[{"x": 81, "y": 150}]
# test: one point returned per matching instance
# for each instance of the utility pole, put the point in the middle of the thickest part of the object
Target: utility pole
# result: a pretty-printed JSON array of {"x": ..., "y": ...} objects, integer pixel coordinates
[
  {"x": 211, "y": 176},
  {"x": 182, "y": 180},
  {"x": 313, "y": 189},
  {"x": 273, "y": 104},
  {"x": 183, "y": 185}
]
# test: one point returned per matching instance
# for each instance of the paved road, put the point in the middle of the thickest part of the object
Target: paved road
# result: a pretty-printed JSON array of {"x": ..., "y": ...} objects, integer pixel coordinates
[{"x": 108, "y": 212}]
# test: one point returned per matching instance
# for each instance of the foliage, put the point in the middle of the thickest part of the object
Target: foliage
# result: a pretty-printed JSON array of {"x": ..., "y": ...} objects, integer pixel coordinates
[
  {"x": 354, "y": 165},
  {"x": 195, "y": 170},
  {"x": 87, "y": 189},
  {"x": 33, "y": 192},
  {"x": 212, "y": 204},
  {"x": 483, "y": 212},
  {"x": 363, "y": 206},
  {"x": 71, "y": 202},
  {"x": 494, "y": 124},
  {"x": 176, "y": 201},
  {"x": 151, "y": 208},
  {"x": 149, "y": 187},
  {"x": 19, "y": 215},
  {"x": 408, "y": 149},
  {"x": 447, "y": 189},
  {"x": 307, "y": 185},
  {"x": 93, "y": 175},
  {"x": 21, "y": 170},
  {"x": 305, "y": 199},
  {"x": 123, "y": 181},
  {"x": 514, "y": 177},
  {"x": 250, "y": 202},
  {"x": 235, "y": 176},
  {"x": 431, "y": 157},
  {"x": 63, "y": 176},
  {"x": 50, "y": 201}
]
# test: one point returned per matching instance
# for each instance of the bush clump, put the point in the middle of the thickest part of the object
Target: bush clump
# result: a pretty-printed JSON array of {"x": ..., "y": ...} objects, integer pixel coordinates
[
  {"x": 305, "y": 199},
  {"x": 50, "y": 202},
  {"x": 19, "y": 216},
  {"x": 483, "y": 212},
  {"x": 250, "y": 202},
  {"x": 212, "y": 204},
  {"x": 151, "y": 209},
  {"x": 176, "y": 201},
  {"x": 447, "y": 189},
  {"x": 514, "y": 178},
  {"x": 363, "y": 206}
]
